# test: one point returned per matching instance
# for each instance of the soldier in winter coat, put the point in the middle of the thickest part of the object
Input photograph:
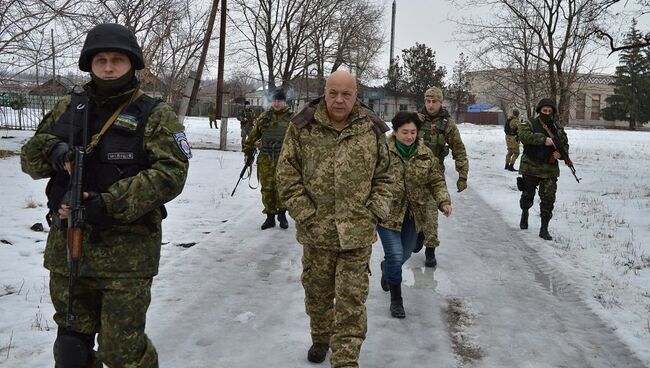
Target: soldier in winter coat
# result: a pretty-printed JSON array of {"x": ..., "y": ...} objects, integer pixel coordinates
[
  {"x": 136, "y": 161},
  {"x": 333, "y": 176}
]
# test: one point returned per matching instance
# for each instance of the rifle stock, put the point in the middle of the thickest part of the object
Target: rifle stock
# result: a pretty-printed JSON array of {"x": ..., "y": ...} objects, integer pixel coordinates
[{"x": 249, "y": 163}]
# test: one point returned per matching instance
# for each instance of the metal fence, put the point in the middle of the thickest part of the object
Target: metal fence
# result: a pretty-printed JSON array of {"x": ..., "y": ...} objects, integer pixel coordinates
[{"x": 28, "y": 114}]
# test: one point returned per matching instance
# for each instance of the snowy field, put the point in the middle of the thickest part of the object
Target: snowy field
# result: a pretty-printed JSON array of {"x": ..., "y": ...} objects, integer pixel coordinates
[{"x": 229, "y": 295}]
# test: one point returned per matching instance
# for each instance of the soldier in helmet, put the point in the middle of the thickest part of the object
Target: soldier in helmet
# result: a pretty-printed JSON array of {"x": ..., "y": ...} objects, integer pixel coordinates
[
  {"x": 333, "y": 174},
  {"x": 512, "y": 141},
  {"x": 268, "y": 135},
  {"x": 441, "y": 135},
  {"x": 137, "y": 160},
  {"x": 539, "y": 163},
  {"x": 246, "y": 119}
]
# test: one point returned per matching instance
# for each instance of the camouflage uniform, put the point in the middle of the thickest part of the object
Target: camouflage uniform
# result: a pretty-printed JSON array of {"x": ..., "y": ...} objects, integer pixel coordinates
[
  {"x": 535, "y": 166},
  {"x": 419, "y": 188},
  {"x": 120, "y": 258},
  {"x": 336, "y": 185},
  {"x": 270, "y": 128},
  {"x": 512, "y": 141},
  {"x": 440, "y": 134},
  {"x": 212, "y": 115},
  {"x": 246, "y": 118}
]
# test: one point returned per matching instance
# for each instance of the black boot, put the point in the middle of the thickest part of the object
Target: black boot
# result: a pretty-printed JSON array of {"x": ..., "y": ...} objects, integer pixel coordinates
[
  {"x": 317, "y": 352},
  {"x": 507, "y": 166},
  {"x": 543, "y": 230},
  {"x": 430, "y": 254},
  {"x": 396, "y": 304},
  {"x": 523, "y": 223},
  {"x": 282, "y": 219},
  {"x": 384, "y": 284},
  {"x": 269, "y": 222},
  {"x": 511, "y": 167}
]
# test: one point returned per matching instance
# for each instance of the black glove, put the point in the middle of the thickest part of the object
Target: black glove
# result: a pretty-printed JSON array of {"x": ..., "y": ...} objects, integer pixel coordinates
[
  {"x": 96, "y": 210},
  {"x": 59, "y": 155}
]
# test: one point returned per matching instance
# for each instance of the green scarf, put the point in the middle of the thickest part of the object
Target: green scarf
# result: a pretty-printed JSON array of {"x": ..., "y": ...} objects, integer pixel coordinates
[
  {"x": 103, "y": 90},
  {"x": 405, "y": 150}
]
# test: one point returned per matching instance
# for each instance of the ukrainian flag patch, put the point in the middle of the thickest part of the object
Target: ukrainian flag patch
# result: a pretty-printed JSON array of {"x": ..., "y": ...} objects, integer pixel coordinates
[{"x": 128, "y": 122}]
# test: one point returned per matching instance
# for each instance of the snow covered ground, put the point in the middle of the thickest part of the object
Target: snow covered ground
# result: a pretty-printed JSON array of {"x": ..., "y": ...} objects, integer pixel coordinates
[{"x": 229, "y": 295}]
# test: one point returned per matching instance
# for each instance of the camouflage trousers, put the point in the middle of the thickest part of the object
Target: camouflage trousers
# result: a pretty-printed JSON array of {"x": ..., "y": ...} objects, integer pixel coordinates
[
  {"x": 513, "y": 149},
  {"x": 432, "y": 232},
  {"x": 245, "y": 131},
  {"x": 547, "y": 189},
  {"x": 266, "y": 175},
  {"x": 336, "y": 289},
  {"x": 116, "y": 310}
]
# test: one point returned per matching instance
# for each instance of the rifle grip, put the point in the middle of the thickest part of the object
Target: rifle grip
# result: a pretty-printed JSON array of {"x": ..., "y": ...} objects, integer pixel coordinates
[{"x": 75, "y": 237}]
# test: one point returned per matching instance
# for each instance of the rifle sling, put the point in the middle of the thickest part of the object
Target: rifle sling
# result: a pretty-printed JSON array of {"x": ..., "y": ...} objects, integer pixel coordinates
[{"x": 94, "y": 141}]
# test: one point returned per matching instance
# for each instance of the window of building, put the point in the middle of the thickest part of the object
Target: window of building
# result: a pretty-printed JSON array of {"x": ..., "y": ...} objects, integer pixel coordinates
[
  {"x": 595, "y": 107},
  {"x": 403, "y": 107},
  {"x": 580, "y": 106}
]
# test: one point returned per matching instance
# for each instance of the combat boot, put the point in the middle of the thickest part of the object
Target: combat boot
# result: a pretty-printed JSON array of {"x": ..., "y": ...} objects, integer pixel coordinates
[
  {"x": 507, "y": 166},
  {"x": 384, "y": 284},
  {"x": 523, "y": 223},
  {"x": 396, "y": 302},
  {"x": 543, "y": 230},
  {"x": 317, "y": 352},
  {"x": 511, "y": 167},
  {"x": 282, "y": 219},
  {"x": 269, "y": 222},
  {"x": 430, "y": 254}
]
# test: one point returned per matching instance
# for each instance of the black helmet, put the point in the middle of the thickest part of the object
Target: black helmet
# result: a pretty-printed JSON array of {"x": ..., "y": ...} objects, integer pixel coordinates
[
  {"x": 546, "y": 102},
  {"x": 515, "y": 112},
  {"x": 279, "y": 95},
  {"x": 110, "y": 37}
]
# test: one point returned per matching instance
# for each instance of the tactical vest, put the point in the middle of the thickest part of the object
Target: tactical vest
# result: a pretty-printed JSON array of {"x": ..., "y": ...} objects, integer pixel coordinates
[
  {"x": 120, "y": 153},
  {"x": 436, "y": 140},
  {"x": 273, "y": 135},
  {"x": 508, "y": 129},
  {"x": 537, "y": 152}
]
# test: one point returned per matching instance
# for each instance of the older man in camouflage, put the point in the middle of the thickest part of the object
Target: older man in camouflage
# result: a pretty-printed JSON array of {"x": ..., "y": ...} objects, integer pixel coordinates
[
  {"x": 268, "y": 134},
  {"x": 137, "y": 161},
  {"x": 441, "y": 135},
  {"x": 333, "y": 176}
]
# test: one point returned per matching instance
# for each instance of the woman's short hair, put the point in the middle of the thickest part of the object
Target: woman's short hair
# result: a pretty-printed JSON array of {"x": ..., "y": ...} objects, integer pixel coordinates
[{"x": 405, "y": 117}]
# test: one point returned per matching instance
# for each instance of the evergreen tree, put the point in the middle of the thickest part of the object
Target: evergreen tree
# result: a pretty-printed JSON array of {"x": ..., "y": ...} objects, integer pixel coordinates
[
  {"x": 395, "y": 77},
  {"x": 420, "y": 71},
  {"x": 631, "y": 84}
]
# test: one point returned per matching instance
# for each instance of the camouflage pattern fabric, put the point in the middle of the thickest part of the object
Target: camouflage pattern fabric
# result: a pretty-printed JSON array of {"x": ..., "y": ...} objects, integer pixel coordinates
[
  {"x": 212, "y": 114},
  {"x": 547, "y": 190},
  {"x": 336, "y": 289},
  {"x": 534, "y": 167},
  {"x": 266, "y": 175},
  {"x": 120, "y": 303},
  {"x": 335, "y": 184},
  {"x": 258, "y": 129},
  {"x": 443, "y": 142},
  {"x": 246, "y": 118},
  {"x": 127, "y": 200},
  {"x": 420, "y": 188},
  {"x": 513, "y": 149}
]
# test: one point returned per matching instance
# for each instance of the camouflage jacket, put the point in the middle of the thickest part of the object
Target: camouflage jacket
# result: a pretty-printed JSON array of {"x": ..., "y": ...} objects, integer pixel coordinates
[
  {"x": 128, "y": 248},
  {"x": 512, "y": 125},
  {"x": 336, "y": 185},
  {"x": 419, "y": 187},
  {"x": 535, "y": 160},
  {"x": 441, "y": 139},
  {"x": 246, "y": 115},
  {"x": 258, "y": 128}
]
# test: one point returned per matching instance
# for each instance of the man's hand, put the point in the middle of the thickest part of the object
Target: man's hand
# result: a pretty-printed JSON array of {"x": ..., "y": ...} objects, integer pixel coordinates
[
  {"x": 60, "y": 156},
  {"x": 446, "y": 210},
  {"x": 461, "y": 184},
  {"x": 258, "y": 144}
]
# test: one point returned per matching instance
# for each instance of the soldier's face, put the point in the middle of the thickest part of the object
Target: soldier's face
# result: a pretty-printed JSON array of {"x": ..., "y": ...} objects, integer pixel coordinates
[
  {"x": 110, "y": 65},
  {"x": 406, "y": 134},
  {"x": 546, "y": 110},
  {"x": 432, "y": 105},
  {"x": 340, "y": 96},
  {"x": 278, "y": 105}
]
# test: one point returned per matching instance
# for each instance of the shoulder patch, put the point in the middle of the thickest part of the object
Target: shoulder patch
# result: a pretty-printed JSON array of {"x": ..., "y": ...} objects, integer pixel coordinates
[{"x": 183, "y": 144}]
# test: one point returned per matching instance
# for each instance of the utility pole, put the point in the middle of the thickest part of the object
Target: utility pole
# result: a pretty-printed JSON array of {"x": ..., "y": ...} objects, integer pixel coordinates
[
  {"x": 392, "y": 37},
  {"x": 53, "y": 56},
  {"x": 194, "y": 79},
  {"x": 223, "y": 138}
]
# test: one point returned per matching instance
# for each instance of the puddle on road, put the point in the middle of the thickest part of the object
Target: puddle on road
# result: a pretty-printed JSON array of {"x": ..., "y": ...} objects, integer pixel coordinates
[
  {"x": 547, "y": 282},
  {"x": 419, "y": 277}
]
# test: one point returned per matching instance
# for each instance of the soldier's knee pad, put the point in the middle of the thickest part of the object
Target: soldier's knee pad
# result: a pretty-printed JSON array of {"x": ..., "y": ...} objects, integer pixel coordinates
[{"x": 73, "y": 349}]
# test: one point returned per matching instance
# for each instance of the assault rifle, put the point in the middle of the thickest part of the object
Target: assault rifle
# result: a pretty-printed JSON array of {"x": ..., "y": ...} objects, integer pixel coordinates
[
  {"x": 248, "y": 165},
  {"x": 76, "y": 221},
  {"x": 561, "y": 148}
]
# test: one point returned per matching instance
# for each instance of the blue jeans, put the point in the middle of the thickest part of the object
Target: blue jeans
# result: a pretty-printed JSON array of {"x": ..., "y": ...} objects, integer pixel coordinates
[{"x": 398, "y": 247}]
